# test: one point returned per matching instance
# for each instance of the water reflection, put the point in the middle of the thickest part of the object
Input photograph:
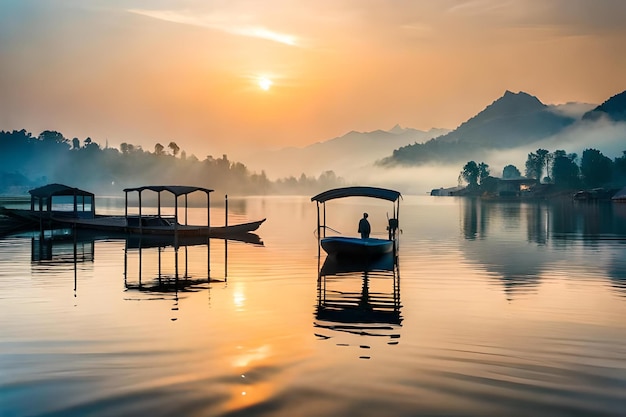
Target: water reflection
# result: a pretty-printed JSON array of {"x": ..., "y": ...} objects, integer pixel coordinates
[
  {"x": 168, "y": 268},
  {"x": 152, "y": 264},
  {"x": 616, "y": 271},
  {"x": 519, "y": 241},
  {"x": 560, "y": 220},
  {"x": 359, "y": 298},
  {"x": 62, "y": 248},
  {"x": 172, "y": 275},
  {"x": 165, "y": 280}
]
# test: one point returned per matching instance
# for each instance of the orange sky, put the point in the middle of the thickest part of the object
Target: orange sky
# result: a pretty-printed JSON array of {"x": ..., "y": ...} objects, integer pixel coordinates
[{"x": 147, "y": 71}]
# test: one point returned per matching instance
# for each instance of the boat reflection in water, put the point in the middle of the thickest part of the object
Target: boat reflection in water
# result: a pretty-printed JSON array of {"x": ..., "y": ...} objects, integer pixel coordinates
[
  {"x": 62, "y": 248},
  {"x": 152, "y": 264},
  {"x": 359, "y": 299},
  {"x": 161, "y": 265}
]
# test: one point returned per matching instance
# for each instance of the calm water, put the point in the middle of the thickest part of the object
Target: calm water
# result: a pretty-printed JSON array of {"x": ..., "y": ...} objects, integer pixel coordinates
[{"x": 495, "y": 309}]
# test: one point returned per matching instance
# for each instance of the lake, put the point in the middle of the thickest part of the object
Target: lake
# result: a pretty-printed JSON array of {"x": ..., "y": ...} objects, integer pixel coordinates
[{"x": 496, "y": 308}]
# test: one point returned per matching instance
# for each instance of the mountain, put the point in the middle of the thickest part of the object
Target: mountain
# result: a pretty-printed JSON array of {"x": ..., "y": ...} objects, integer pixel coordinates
[
  {"x": 341, "y": 154},
  {"x": 613, "y": 109},
  {"x": 512, "y": 120}
]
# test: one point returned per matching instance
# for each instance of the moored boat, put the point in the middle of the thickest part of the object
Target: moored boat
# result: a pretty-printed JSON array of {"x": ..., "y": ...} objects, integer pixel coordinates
[
  {"x": 76, "y": 209},
  {"x": 153, "y": 225},
  {"x": 54, "y": 200},
  {"x": 354, "y": 247}
]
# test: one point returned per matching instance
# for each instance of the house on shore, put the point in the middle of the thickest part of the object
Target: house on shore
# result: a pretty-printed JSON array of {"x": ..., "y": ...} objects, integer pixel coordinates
[
  {"x": 492, "y": 187},
  {"x": 446, "y": 192},
  {"x": 514, "y": 187}
]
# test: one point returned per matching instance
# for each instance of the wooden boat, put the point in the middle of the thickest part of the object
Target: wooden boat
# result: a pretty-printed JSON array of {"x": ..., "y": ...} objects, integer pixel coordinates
[
  {"x": 154, "y": 225},
  {"x": 54, "y": 199},
  {"x": 352, "y": 246},
  {"x": 356, "y": 247},
  {"x": 78, "y": 211}
]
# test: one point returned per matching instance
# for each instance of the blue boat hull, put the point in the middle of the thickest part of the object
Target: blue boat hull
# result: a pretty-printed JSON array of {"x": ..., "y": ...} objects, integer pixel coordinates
[{"x": 356, "y": 247}]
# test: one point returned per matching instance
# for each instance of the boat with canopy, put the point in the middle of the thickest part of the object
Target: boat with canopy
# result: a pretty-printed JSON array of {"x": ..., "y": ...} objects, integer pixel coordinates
[
  {"x": 356, "y": 247},
  {"x": 80, "y": 213}
]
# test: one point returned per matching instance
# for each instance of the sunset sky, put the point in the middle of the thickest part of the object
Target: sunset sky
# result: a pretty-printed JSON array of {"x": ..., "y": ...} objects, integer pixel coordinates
[{"x": 217, "y": 76}]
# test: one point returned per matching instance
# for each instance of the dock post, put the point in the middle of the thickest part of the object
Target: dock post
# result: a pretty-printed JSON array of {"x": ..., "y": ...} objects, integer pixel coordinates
[
  {"x": 186, "y": 203},
  {"x": 159, "y": 204},
  {"x": 140, "y": 225},
  {"x": 226, "y": 210},
  {"x": 176, "y": 215},
  {"x": 208, "y": 210}
]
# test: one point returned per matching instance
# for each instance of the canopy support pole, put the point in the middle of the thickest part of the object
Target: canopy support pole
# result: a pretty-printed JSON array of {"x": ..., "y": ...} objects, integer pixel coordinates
[{"x": 140, "y": 225}]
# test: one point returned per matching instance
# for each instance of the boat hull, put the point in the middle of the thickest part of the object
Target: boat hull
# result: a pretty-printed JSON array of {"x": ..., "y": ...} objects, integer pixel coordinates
[
  {"x": 356, "y": 247},
  {"x": 119, "y": 224}
]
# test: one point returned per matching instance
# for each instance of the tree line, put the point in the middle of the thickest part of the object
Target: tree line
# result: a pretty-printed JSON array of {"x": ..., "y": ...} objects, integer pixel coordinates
[
  {"x": 565, "y": 171},
  {"x": 28, "y": 161}
]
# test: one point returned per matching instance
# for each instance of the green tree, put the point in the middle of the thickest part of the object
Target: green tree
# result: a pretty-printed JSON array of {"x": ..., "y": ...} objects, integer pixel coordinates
[
  {"x": 52, "y": 137},
  {"x": 90, "y": 144},
  {"x": 595, "y": 168},
  {"x": 483, "y": 172},
  {"x": 470, "y": 173},
  {"x": 511, "y": 171},
  {"x": 565, "y": 171},
  {"x": 619, "y": 166},
  {"x": 535, "y": 163}
]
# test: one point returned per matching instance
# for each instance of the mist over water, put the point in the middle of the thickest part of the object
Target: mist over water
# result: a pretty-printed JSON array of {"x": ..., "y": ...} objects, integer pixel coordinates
[
  {"x": 357, "y": 165},
  {"x": 419, "y": 180}
]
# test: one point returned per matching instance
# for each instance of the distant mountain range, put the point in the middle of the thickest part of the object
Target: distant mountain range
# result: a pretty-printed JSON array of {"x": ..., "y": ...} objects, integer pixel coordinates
[
  {"x": 342, "y": 154},
  {"x": 512, "y": 121},
  {"x": 613, "y": 109}
]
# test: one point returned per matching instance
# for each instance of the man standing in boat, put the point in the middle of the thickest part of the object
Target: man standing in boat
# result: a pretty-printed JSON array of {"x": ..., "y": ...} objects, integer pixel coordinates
[{"x": 364, "y": 227}]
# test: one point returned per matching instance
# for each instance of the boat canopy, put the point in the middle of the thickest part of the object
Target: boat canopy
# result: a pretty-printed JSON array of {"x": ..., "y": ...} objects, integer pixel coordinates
[
  {"x": 177, "y": 190},
  {"x": 374, "y": 192},
  {"x": 49, "y": 199},
  {"x": 53, "y": 190}
]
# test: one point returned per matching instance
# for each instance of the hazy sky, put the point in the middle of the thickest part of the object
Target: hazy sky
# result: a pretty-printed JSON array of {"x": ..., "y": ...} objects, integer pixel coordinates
[{"x": 191, "y": 71}]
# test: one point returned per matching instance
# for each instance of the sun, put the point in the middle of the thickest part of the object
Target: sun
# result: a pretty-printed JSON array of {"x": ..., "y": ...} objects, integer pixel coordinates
[{"x": 265, "y": 83}]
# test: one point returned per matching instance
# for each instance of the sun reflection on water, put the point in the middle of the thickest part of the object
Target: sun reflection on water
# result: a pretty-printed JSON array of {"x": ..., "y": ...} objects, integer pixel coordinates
[{"x": 239, "y": 297}]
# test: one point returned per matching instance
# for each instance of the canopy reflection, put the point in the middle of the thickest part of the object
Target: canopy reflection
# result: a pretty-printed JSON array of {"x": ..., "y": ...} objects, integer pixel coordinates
[
  {"x": 359, "y": 297},
  {"x": 157, "y": 271}
]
